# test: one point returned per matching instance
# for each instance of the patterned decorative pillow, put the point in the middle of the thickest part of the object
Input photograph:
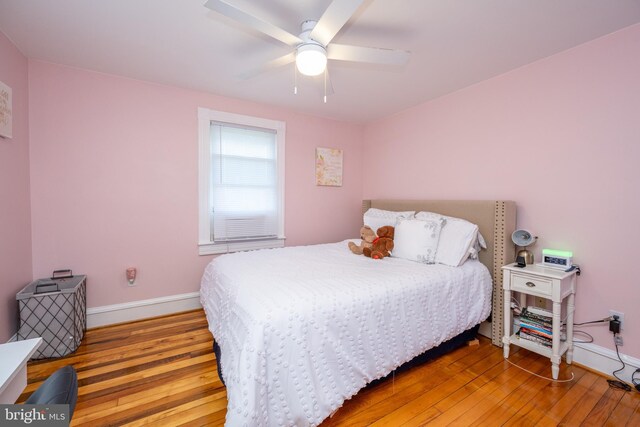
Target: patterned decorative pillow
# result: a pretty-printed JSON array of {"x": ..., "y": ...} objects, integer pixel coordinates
[
  {"x": 376, "y": 218},
  {"x": 417, "y": 240}
]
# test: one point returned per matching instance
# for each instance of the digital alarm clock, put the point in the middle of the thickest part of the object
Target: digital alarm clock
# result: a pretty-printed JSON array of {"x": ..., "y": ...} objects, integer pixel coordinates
[{"x": 557, "y": 259}]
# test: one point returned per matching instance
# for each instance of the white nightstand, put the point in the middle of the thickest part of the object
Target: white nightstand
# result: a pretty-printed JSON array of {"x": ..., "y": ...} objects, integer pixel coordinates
[{"x": 549, "y": 283}]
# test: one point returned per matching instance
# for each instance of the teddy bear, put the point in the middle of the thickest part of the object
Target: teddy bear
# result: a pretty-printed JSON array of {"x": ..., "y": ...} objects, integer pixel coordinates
[
  {"x": 382, "y": 245},
  {"x": 368, "y": 236}
]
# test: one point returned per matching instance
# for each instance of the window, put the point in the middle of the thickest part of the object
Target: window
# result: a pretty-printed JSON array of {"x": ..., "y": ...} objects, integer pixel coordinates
[{"x": 241, "y": 182}]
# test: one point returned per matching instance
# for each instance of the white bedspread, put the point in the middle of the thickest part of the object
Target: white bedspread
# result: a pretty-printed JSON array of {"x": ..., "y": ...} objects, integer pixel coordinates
[{"x": 304, "y": 328}]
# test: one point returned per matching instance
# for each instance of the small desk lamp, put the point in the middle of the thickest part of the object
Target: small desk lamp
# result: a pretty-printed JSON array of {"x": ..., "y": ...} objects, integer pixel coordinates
[{"x": 524, "y": 238}]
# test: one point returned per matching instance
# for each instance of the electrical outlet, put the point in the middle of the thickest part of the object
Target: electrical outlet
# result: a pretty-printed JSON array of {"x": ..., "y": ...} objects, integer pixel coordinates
[
  {"x": 618, "y": 340},
  {"x": 540, "y": 302},
  {"x": 620, "y": 317}
]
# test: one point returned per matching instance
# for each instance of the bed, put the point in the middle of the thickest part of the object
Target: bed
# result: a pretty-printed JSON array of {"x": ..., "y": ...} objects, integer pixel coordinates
[{"x": 302, "y": 329}]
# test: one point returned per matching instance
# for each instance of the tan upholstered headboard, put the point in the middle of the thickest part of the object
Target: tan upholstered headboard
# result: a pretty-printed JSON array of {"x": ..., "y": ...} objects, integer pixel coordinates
[{"x": 496, "y": 220}]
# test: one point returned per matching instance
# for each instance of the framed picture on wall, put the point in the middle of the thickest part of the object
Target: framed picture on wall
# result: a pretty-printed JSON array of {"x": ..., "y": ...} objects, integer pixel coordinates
[
  {"x": 6, "y": 114},
  {"x": 329, "y": 167}
]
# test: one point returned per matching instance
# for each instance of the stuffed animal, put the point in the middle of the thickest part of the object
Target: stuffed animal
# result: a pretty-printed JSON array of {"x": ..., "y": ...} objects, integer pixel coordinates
[
  {"x": 382, "y": 245},
  {"x": 368, "y": 236}
]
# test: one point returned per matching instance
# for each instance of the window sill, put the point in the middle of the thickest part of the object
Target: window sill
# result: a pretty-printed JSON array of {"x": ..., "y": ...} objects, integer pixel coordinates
[{"x": 223, "y": 248}]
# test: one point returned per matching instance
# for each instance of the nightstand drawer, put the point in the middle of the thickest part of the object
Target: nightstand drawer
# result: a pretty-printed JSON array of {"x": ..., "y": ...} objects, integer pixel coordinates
[{"x": 531, "y": 284}]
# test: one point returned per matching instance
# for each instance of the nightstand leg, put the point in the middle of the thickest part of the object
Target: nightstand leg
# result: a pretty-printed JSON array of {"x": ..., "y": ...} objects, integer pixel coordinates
[
  {"x": 555, "y": 370},
  {"x": 555, "y": 349},
  {"x": 507, "y": 323},
  {"x": 570, "y": 309}
]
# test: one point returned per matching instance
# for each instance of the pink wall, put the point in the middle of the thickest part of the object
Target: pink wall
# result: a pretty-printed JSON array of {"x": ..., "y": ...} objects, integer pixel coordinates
[
  {"x": 15, "y": 215},
  {"x": 115, "y": 180},
  {"x": 114, "y": 171},
  {"x": 561, "y": 137}
]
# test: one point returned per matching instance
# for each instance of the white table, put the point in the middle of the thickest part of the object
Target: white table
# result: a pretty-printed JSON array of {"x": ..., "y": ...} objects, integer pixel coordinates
[
  {"x": 13, "y": 367},
  {"x": 549, "y": 283}
]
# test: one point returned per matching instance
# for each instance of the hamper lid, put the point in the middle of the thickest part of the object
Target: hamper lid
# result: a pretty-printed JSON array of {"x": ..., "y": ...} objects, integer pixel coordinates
[{"x": 65, "y": 286}]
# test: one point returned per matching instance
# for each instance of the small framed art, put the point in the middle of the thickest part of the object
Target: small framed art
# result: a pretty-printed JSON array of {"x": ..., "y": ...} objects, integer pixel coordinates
[
  {"x": 6, "y": 113},
  {"x": 329, "y": 167}
]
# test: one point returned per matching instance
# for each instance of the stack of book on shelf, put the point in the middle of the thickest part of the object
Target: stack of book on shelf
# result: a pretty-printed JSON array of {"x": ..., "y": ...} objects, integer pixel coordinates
[{"x": 536, "y": 326}]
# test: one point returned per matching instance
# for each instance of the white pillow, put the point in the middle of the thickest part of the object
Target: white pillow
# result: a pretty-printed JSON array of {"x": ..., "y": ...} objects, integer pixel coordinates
[
  {"x": 457, "y": 239},
  {"x": 481, "y": 242},
  {"x": 477, "y": 246},
  {"x": 376, "y": 218},
  {"x": 417, "y": 240}
]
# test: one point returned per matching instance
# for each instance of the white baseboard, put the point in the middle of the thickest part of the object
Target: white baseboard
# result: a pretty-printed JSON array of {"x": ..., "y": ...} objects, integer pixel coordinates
[
  {"x": 604, "y": 360},
  {"x": 595, "y": 357},
  {"x": 485, "y": 329},
  {"x": 136, "y": 310}
]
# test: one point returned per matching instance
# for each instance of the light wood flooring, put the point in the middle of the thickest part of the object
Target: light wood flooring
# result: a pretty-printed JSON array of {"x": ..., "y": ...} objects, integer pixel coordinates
[{"x": 162, "y": 372}]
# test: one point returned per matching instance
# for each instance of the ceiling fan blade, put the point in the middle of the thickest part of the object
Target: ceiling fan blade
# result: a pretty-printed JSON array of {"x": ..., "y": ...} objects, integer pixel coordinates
[
  {"x": 274, "y": 63},
  {"x": 373, "y": 55},
  {"x": 333, "y": 19},
  {"x": 253, "y": 22}
]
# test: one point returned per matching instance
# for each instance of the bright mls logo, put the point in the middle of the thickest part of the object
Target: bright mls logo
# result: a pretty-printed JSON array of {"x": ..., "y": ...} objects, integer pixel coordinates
[{"x": 34, "y": 415}]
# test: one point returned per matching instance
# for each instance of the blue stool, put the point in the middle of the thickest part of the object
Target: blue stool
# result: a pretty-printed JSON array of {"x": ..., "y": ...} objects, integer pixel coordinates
[{"x": 60, "y": 388}]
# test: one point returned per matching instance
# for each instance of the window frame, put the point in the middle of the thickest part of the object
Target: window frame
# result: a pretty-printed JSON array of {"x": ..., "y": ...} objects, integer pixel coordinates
[{"x": 206, "y": 246}]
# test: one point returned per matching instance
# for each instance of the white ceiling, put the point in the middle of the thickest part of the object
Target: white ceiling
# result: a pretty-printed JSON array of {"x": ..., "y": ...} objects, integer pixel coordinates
[{"x": 454, "y": 43}]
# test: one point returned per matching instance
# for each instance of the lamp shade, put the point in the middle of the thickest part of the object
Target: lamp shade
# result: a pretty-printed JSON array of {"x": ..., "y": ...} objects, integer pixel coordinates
[
  {"x": 311, "y": 59},
  {"x": 523, "y": 238}
]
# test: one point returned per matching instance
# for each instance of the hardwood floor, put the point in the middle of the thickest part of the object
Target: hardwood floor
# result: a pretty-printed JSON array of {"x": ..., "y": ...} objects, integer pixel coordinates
[{"x": 162, "y": 372}]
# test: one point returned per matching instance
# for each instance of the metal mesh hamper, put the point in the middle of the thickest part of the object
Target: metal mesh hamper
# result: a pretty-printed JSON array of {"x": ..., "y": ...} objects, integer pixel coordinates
[{"x": 55, "y": 310}]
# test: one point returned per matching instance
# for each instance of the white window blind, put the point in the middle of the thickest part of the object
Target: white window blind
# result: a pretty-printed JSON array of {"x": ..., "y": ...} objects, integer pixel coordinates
[
  {"x": 241, "y": 176},
  {"x": 244, "y": 183}
]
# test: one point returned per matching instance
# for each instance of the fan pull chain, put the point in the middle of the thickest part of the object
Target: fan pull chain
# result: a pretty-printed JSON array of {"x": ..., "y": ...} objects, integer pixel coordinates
[
  {"x": 325, "y": 85},
  {"x": 295, "y": 79}
]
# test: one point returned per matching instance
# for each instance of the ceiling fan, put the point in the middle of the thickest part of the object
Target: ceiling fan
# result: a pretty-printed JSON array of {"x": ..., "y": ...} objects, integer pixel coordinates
[{"x": 313, "y": 47}]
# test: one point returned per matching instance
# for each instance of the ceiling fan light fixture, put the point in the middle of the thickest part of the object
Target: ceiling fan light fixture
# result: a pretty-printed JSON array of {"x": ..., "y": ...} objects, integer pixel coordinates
[{"x": 311, "y": 59}]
